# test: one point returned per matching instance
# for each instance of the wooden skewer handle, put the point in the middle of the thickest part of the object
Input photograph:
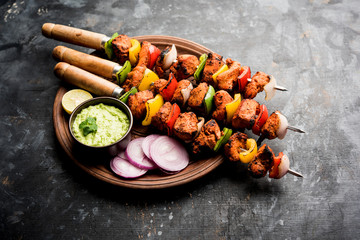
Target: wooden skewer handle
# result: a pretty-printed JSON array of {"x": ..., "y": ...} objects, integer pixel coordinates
[
  {"x": 74, "y": 35},
  {"x": 88, "y": 81},
  {"x": 85, "y": 61}
]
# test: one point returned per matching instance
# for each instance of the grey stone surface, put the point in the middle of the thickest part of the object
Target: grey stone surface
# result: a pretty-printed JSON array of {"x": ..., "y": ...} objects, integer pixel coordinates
[{"x": 312, "y": 47}]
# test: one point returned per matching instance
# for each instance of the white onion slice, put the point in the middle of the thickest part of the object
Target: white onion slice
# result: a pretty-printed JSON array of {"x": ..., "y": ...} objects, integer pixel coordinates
[
  {"x": 147, "y": 142},
  {"x": 270, "y": 89},
  {"x": 169, "y": 154},
  {"x": 284, "y": 166},
  {"x": 125, "y": 169},
  {"x": 169, "y": 58},
  {"x": 282, "y": 130},
  {"x": 136, "y": 156},
  {"x": 186, "y": 93}
]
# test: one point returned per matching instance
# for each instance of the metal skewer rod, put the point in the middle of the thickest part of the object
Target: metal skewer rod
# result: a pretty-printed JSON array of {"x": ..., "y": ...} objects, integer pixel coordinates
[
  {"x": 295, "y": 129},
  {"x": 295, "y": 173}
]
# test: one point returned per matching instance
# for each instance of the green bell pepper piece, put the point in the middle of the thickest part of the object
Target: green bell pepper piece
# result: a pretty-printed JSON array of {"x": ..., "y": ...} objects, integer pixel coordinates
[
  {"x": 126, "y": 95},
  {"x": 223, "y": 140},
  {"x": 108, "y": 46},
  {"x": 123, "y": 72},
  {"x": 199, "y": 70},
  {"x": 208, "y": 100}
]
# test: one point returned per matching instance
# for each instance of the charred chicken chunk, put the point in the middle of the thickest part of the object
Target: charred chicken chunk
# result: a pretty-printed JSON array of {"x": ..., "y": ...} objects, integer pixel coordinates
[
  {"x": 178, "y": 97},
  {"x": 158, "y": 84},
  {"x": 227, "y": 80},
  {"x": 134, "y": 78},
  {"x": 161, "y": 117},
  {"x": 213, "y": 63},
  {"x": 234, "y": 146},
  {"x": 121, "y": 45},
  {"x": 257, "y": 84},
  {"x": 262, "y": 163},
  {"x": 137, "y": 102},
  {"x": 144, "y": 55},
  {"x": 245, "y": 114},
  {"x": 206, "y": 140},
  {"x": 159, "y": 62},
  {"x": 185, "y": 126},
  {"x": 185, "y": 66},
  {"x": 221, "y": 98},
  {"x": 271, "y": 125},
  {"x": 197, "y": 96}
]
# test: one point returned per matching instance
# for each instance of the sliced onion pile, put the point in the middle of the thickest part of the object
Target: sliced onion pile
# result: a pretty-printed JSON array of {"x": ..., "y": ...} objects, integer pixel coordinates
[{"x": 154, "y": 151}]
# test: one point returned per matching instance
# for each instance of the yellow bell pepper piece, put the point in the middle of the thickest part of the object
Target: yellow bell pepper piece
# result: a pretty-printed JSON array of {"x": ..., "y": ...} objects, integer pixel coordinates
[
  {"x": 148, "y": 79},
  {"x": 152, "y": 107},
  {"x": 232, "y": 106},
  {"x": 134, "y": 51},
  {"x": 251, "y": 150},
  {"x": 222, "y": 69}
]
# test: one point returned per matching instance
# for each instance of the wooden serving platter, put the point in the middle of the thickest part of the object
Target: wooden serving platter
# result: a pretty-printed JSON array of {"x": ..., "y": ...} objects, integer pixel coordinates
[{"x": 97, "y": 165}]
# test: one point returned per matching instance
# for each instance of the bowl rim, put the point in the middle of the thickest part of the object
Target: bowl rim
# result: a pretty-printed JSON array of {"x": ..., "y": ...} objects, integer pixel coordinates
[{"x": 92, "y": 102}]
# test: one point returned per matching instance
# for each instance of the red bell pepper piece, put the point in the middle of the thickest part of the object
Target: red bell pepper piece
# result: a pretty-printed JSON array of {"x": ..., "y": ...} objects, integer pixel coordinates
[
  {"x": 168, "y": 90},
  {"x": 274, "y": 171},
  {"x": 260, "y": 120},
  {"x": 245, "y": 73},
  {"x": 174, "y": 114},
  {"x": 154, "y": 53}
]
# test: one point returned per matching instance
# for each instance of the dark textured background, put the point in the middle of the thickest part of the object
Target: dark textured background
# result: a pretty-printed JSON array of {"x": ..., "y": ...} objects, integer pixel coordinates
[{"x": 312, "y": 47}]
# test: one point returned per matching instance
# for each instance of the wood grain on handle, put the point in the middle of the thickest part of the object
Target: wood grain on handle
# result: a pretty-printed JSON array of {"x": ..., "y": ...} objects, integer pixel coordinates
[
  {"x": 83, "y": 79},
  {"x": 73, "y": 35},
  {"x": 96, "y": 65}
]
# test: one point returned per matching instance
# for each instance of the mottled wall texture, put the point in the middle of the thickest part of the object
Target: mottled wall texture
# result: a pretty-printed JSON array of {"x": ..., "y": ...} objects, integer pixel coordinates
[{"x": 312, "y": 47}]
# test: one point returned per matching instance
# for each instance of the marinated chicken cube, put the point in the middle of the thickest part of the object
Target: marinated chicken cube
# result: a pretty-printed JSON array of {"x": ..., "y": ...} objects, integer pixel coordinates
[
  {"x": 185, "y": 66},
  {"x": 121, "y": 45},
  {"x": 144, "y": 54},
  {"x": 134, "y": 78},
  {"x": 178, "y": 97},
  {"x": 257, "y": 84},
  {"x": 161, "y": 117},
  {"x": 213, "y": 63},
  {"x": 206, "y": 140},
  {"x": 137, "y": 102},
  {"x": 221, "y": 98},
  {"x": 271, "y": 126},
  {"x": 245, "y": 114},
  {"x": 235, "y": 145},
  {"x": 185, "y": 127},
  {"x": 262, "y": 163},
  {"x": 228, "y": 80},
  {"x": 197, "y": 96}
]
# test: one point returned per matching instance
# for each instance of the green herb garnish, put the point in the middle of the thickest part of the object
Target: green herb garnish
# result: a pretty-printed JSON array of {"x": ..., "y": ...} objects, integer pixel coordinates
[{"x": 88, "y": 126}]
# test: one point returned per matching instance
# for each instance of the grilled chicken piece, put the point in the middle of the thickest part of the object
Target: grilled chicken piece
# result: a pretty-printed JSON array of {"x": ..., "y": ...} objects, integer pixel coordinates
[
  {"x": 185, "y": 66},
  {"x": 197, "y": 96},
  {"x": 159, "y": 62},
  {"x": 210, "y": 133},
  {"x": 257, "y": 84},
  {"x": 137, "y": 102},
  {"x": 185, "y": 126},
  {"x": 134, "y": 78},
  {"x": 213, "y": 63},
  {"x": 233, "y": 147},
  {"x": 178, "y": 97},
  {"x": 158, "y": 84},
  {"x": 144, "y": 55},
  {"x": 227, "y": 80},
  {"x": 262, "y": 163},
  {"x": 245, "y": 114},
  {"x": 161, "y": 117},
  {"x": 271, "y": 125},
  {"x": 221, "y": 98},
  {"x": 121, "y": 45}
]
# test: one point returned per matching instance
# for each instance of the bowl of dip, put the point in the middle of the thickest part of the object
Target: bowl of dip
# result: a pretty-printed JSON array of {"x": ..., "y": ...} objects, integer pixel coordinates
[{"x": 102, "y": 123}]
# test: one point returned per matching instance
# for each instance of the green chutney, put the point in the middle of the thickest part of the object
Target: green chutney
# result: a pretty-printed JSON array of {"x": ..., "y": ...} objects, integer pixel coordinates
[{"x": 112, "y": 123}]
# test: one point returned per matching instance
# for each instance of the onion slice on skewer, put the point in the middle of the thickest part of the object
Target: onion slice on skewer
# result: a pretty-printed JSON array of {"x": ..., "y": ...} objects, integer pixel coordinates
[
  {"x": 169, "y": 58},
  {"x": 136, "y": 155},
  {"x": 282, "y": 130},
  {"x": 124, "y": 168},
  {"x": 169, "y": 154}
]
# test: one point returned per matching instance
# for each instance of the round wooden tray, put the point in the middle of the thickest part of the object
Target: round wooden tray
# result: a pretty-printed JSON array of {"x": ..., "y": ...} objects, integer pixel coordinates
[{"x": 98, "y": 165}]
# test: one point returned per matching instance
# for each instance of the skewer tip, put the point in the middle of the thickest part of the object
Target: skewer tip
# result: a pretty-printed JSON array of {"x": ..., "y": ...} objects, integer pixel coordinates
[
  {"x": 295, "y": 129},
  {"x": 297, "y": 174}
]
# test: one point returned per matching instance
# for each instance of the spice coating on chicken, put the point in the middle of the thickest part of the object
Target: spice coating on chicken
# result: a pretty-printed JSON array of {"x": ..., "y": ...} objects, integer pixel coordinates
[
  {"x": 159, "y": 62},
  {"x": 262, "y": 163},
  {"x": 185, "y": 127},
  {"x": 197, "y": 96},
  {"x": 234, "y": 146},
  {"x": 137, "y": 102},
  {"x": 161, "y": 117},
  {"x": 245, "y": 114},
  {"x": 257, "y": 84},
  {"x": 221, "y": 98},
  {"x": 158, "y": 84},
  {"x": 178, "y": 97},
  {"x": 134, "y": 78},
  {"x": 144, "y": 54},
  {"x": 185, "y": 66},
  {"x": 227, "y": 80},
  {"x": 213, "y": 63},
  {"x": 271, "y": 126},
  {"x": 206, "y": 140},
  {"x": 121, "y": 45}
]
